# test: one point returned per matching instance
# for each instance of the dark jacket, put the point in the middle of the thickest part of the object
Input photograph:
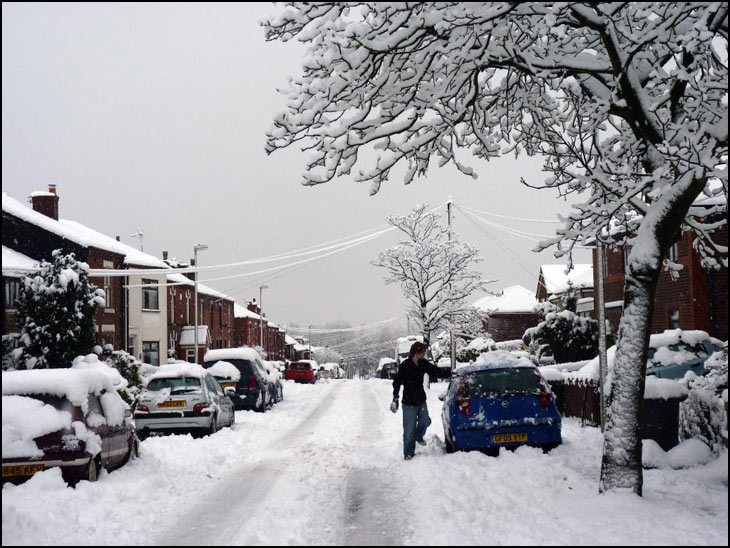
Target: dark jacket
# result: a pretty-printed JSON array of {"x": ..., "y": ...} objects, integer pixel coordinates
[{"x": 410, "y": 375}]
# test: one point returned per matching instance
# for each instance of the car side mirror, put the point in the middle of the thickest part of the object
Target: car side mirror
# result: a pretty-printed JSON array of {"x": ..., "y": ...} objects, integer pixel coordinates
[
  {"x": 127, "y": 413},
  {"x": 442, "y": 396},
  {"x": 229, "y": 391}
]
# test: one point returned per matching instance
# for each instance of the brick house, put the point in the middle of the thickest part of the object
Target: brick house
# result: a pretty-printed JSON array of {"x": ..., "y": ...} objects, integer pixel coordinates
[
  {"x": 509, "y": 314},
  {"x": 248, "y": 331},
  {"x": 36, "y": 232},
  {"x": 696, "y": 299},
  {"x": 216, "y": 319}
]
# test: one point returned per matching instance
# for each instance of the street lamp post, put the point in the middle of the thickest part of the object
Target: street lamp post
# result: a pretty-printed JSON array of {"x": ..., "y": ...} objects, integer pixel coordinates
[
  {"x": 261, "y": 313},
  {"x": 310, "y": 342},
  {"x": 198, "y": 247}
]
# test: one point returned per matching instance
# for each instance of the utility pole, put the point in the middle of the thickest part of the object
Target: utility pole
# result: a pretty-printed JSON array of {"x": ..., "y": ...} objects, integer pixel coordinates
[
  {"x": 261, "y": 313},
  {"x": 603, "y": 362},
  {"x": 451, "y": 331},
  {"x": 198, "y": 247}
]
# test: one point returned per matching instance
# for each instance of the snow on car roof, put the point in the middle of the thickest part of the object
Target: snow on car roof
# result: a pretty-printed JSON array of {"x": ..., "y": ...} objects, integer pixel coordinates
[
  {"x": 496, "y": 359},
  {"x": 675, "y": 336},
  {"x": 180, "y": 369},
  {"x": 72, "y": 384},
  {"x": 241, "y": 353}
]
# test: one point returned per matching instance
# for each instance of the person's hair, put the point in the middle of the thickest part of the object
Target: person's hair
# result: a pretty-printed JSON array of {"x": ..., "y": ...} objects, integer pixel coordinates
[{"x": 417, "y": 348}]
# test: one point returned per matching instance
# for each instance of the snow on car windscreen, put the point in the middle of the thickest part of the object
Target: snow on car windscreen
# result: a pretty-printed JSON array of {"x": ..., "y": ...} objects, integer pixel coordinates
[
  {"x": 518, "y": 380},
  {"x": 175, "y": 383}
]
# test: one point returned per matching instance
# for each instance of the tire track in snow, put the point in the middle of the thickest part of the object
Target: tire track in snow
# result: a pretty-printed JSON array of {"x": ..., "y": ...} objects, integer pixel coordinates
[
  {"x": 372, "y": 493},
  {"x": 224, "y": 511}
]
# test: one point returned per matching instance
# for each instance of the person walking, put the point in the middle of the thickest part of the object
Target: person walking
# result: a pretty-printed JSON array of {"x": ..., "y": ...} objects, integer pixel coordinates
[{"x": 415, "y": 412}]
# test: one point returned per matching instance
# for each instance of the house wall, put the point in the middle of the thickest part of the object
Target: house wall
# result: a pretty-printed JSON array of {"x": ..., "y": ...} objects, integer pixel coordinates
[
  {"x": 506, "y": 327},
  {"x": 699, "y": 294},
  {"x": 148, "y": 325}
]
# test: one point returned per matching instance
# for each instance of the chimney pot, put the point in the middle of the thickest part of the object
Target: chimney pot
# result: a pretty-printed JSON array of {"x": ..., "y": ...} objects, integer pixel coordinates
[
  {"x": 51, "y": 188},
  {"x": 164, "y": 255}
]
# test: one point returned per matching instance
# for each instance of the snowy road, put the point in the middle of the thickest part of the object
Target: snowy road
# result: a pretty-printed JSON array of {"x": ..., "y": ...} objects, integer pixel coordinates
[{"x": 325, "y": 467}]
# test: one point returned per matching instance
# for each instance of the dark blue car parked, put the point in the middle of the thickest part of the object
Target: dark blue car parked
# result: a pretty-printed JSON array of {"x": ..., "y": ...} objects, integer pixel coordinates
[{"x": 491, "y": 406}]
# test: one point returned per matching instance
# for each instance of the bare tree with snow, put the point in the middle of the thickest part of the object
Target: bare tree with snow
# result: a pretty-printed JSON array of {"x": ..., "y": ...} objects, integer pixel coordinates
[
  {"x": 433, "y": 271},
  {"x": 627, "y": 102}
]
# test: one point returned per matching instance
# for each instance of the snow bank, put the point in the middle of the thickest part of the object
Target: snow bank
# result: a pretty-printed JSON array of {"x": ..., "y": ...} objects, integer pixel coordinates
[
  {"x": 25, "y": 419},
  {"x": 225, "y": 370},
  {"x": 688, "y": 454}
]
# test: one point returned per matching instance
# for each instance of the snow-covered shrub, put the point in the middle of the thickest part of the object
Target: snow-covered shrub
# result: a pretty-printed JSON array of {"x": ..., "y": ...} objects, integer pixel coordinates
[
  {"x": 56, "y": 307},
  {"x": 474, "y": 349},
  {"x": 702, "y": 414},
  {"x": 570, "y": 337},
  {"x": 128, "y": 366}
]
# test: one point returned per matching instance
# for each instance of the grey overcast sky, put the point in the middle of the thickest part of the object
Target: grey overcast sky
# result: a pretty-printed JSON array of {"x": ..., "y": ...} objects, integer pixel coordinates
[{"x": 153, "y": 117}]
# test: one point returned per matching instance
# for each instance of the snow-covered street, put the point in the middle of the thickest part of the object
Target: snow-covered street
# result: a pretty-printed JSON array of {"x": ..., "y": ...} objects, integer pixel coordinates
[{"x": 325, "y": 467}]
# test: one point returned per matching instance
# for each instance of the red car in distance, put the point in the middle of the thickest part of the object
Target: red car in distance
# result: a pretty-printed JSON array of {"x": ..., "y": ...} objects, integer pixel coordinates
[{"x": 302, "y": 371}]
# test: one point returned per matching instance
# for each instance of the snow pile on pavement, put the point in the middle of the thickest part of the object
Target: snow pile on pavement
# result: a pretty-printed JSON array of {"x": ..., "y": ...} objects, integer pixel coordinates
[{"x": 688, "y": 454}]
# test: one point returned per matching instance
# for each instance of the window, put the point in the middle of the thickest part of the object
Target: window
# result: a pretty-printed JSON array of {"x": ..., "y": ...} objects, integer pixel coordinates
[
  {"x": 132, "y": 345},
  {"x": 673, "y": 318},
  {"x": 151, "y": 352},
  {"x": 172, "y": 308},
  {"x": 187, "y": 310},
  {"x": 150, "y": 295},
  {"x": 626, "y": 260},
  {"x": 12, "y": 289},
  {"x": 108, "y": 291},
  {"x": 673, "y": 254},
  {"x": 190, "y": 355}
]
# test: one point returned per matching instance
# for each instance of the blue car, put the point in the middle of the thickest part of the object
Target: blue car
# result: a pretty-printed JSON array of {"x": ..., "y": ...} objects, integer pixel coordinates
[{"x": 491, "y": 406}]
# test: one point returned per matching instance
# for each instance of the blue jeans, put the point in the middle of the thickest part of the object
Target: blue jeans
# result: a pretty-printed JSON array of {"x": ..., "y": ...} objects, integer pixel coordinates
[{"x": 415, "y": 423}]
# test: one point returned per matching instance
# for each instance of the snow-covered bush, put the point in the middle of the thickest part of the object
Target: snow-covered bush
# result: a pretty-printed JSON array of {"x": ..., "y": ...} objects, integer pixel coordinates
[
  {"x": 56, "y": 307},
  {"x": 128, "y": 366},
  {"x": 570, "y": 337},
  {"x": 702, "y": 414},
  {"x": 474, "y": 349}
]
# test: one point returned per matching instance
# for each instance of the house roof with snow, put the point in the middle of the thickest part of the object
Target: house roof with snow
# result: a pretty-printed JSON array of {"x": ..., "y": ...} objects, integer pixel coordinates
[
  {"x": 556, "y": 280},
  {"x": 181, "y": 279},
  {"x": 240, "y": 311},
  {"x": 514, "y": 299},
  {"x": 17, "y": 264}
]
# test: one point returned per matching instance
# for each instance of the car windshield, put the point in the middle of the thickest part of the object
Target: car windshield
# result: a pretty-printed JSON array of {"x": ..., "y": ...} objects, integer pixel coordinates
[
  {"x": 517, "y": 380},
  {"x": 301, "y": 366},
  {"x": 175, "y": 384}
]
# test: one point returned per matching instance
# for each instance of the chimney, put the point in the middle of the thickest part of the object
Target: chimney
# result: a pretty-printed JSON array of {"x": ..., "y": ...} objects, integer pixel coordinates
[
  {"x": 164, "y": 255},
  {"x": 46, "y": 202},
  {"x": 253, "y": 307}
]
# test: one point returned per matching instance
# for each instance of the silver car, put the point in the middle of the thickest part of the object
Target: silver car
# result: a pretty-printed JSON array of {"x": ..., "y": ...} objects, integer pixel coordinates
[{"x": 183, "y": 397}]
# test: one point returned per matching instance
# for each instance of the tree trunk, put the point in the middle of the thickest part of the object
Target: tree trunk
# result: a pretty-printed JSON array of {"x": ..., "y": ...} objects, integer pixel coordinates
[{"x": 621, "y": 466}]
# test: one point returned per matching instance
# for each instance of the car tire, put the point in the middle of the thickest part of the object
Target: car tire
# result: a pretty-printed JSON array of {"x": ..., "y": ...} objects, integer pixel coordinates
[
  {"x": 92, "y": 472},
  {"x": 450, "y": 445},
  {"x": 213, "y": 426}
]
